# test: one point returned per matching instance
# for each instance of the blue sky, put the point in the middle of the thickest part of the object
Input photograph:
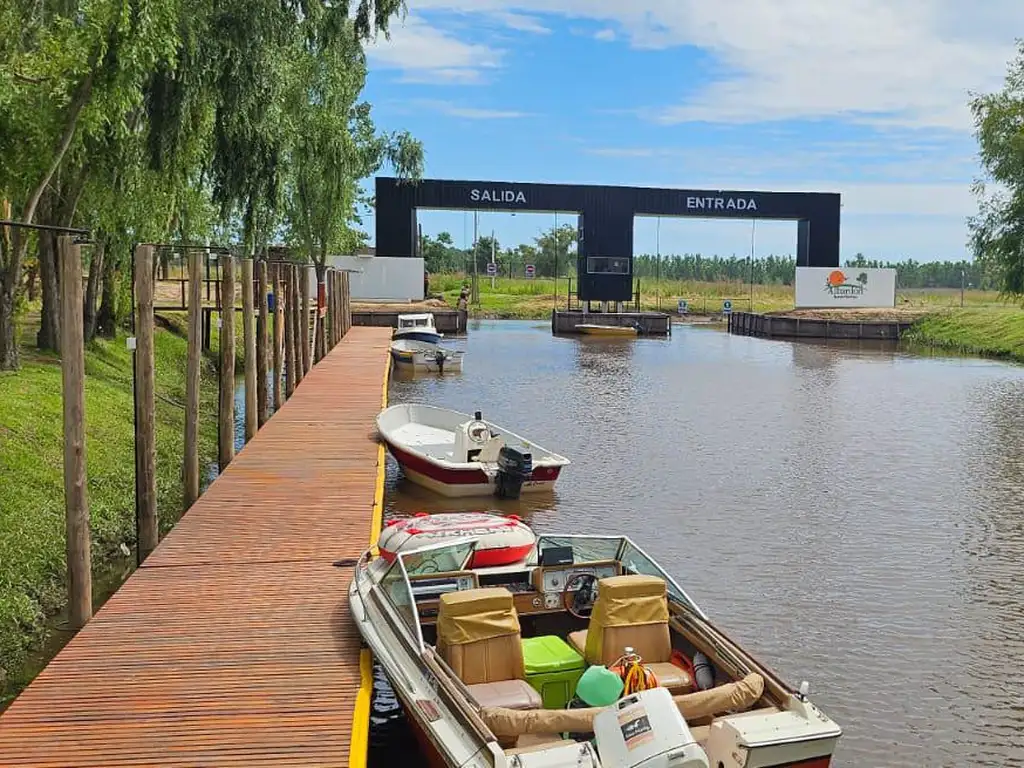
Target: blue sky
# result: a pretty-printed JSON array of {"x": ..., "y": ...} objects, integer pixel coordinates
[{"x": 863, "y": 97}]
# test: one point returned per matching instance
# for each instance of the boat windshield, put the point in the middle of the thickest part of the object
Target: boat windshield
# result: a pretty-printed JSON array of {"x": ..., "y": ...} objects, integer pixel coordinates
[
  {"x": 585, "y": 549},
  {"x": 395, "y": 585},
  {"x": 635, "y": 560},
  {"x": 442, "y": 558}
]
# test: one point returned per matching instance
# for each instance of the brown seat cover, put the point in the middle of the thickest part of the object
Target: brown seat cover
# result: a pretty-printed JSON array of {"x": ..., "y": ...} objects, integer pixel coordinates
[
  {"x": 632, "y": 610},
  {"x": 478, "y": 636}
]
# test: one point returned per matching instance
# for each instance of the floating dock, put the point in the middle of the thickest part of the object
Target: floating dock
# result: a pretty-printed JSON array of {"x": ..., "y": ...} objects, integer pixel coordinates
[
  {"x": 445, "y": 320},
  {"x": 651, "y": 323},
  {"x": 232, "y": 645},
  {"x": 785, "y": 326}
]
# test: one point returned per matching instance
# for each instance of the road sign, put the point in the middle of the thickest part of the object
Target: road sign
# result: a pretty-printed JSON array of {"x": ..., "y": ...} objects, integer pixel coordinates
[
  {"x": 492, "y": 268},
  {"x": 727, "y": 306},
  {"x": 531, "y": 270},
  {"x": 683, "y": 307}
]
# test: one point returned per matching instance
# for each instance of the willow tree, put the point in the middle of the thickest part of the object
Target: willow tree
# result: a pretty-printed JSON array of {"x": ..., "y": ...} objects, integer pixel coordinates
[
  {"x": 997, "y": 232},
  {"x": 336, "y": 144}
]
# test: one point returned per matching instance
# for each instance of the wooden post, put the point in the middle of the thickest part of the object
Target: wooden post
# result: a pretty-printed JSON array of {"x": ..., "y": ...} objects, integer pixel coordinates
[
  {"x": 289, "y": 329},
  {"x": 262, "y": 406},
  {"x": 338, "y": 331},
  {"x": 145, "y": 404},
  {"x": 297, "y": 322},
  {"x": 304, "y": 335},
  {"x": 249, "y": 334},
  {"x": 346, "y": 307},
  {"x": 76, "y": 500},
  {"x": 279, "y": 324},
  {"x": 226, "y": 411},
  {"x": 195, "y": 299}
]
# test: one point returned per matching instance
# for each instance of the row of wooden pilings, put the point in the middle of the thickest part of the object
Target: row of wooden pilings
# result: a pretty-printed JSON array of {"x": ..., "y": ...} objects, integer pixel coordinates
[{"x": 284, "y": 350}]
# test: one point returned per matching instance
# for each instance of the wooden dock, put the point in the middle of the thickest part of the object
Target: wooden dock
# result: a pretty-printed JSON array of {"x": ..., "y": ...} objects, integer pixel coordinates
[
  {"x": 232, "y": 645},
  {"x": 791, "y": 327}
]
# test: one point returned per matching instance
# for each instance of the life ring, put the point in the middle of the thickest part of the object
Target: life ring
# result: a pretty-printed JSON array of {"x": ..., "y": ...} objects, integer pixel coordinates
[{"x": 501, "y": 540}]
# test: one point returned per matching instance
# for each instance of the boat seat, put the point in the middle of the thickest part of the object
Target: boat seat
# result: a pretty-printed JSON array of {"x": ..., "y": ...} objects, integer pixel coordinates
[
  {"x": 478, "y": 636},
  {"x": 632, "y": 610}
]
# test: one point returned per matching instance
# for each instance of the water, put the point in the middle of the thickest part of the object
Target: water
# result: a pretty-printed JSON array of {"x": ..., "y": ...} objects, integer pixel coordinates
[{"x": 848, "y": 512}]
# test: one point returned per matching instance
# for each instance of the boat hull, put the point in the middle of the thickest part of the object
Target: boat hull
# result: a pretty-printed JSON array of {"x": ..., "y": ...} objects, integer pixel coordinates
[
  {"x": 606, "y": 330},
  {"x": 464, "y": 482},
  {"x": 424, "y": 361}
]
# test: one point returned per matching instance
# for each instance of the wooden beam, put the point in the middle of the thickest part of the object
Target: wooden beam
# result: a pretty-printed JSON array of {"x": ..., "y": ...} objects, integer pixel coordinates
[
  {"x": 249, "y": 339},
  {"x": 145, "y": 403},
  {"x": 262, "y": 344},
  {"x": 226, "y": 410},
  {"x": 192, "y": 383}
]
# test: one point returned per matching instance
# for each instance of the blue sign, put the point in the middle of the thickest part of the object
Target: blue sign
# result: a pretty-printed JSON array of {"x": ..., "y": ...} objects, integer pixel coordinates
[
  {"x": 727, "y": 306},
  {"x": 683, "y": 307}
]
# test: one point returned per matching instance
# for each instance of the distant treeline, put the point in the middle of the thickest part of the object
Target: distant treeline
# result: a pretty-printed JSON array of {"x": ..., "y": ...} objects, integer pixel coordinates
[
  {"x": 780, "y": 270},
  {"x": 554, "y": 252}
]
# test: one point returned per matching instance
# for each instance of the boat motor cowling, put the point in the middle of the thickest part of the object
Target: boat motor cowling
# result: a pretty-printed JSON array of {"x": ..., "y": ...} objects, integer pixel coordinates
[{"x": 514, "y": 469}]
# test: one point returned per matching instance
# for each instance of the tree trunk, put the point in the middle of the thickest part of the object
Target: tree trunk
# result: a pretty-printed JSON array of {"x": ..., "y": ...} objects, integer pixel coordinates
[
  {"x": 49, "y": 326},
  {"x": 8, "y": 326},
  {"x": 92, "y": 287},
  {"x": 106, "y": 318}
]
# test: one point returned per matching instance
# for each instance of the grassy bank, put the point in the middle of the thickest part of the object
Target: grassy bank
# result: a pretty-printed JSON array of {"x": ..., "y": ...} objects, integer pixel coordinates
[
  {"x": 986, "y": 331},
  {"x": 534, "y": 299},
  {"x": 32, "y": 560}
]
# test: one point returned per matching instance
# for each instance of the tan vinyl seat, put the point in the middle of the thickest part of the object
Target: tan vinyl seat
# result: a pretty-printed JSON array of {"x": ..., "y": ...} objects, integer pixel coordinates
[
  {"x": 478, "y": 636},
  {"x": 632, "y": 610}
]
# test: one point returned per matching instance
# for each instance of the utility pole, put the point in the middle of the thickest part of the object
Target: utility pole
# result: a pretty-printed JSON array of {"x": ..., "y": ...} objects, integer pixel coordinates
[
  {"x": 476, "y": 272},
  {"x": 963, "y": 278},
  {"x": 657, "y": 278},
  {"x": 753, "y": 230},
  {"x": 492, "y": 260}
]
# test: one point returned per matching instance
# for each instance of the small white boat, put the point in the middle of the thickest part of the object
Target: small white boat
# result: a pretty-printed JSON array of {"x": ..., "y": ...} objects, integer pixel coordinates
[
  {"x": 417, "y": 327},
  {"x": 595, "y": 329},
  {"x": 455, "y": 454},
  {"x": 426, "y": 356},
  {"x": 576, "y": 652}
]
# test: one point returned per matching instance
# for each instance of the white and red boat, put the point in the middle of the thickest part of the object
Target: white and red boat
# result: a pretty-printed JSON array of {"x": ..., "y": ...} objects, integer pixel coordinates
[
  {"x": 501, "y": 540},
  {"x": 455, "y": 454}
]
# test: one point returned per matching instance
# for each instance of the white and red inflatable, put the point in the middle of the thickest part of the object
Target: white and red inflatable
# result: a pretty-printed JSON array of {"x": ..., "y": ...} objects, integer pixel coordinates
[{"x": 501, "y": 540}]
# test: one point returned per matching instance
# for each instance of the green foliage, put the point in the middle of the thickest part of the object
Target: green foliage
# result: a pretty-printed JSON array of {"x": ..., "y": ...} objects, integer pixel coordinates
[
  {"x": 31, "y": 445},
  {"x": 997, "y": 232},
  {"x": 991, "y": 332}
]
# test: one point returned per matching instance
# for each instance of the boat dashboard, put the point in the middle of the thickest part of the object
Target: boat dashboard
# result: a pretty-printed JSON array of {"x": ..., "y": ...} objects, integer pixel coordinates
[{"x": 536, "y": 589}]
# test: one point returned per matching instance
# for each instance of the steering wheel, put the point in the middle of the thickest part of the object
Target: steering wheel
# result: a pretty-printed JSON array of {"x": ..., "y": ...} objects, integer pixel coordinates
[{"x": 582, "y": 602}]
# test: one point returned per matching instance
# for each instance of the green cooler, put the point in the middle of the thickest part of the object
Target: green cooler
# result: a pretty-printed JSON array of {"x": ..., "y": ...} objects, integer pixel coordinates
[{"x": 552, "y": 667}]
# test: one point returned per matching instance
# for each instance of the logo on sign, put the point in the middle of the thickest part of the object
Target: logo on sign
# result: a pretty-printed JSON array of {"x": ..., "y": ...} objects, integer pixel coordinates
[
  {"x": 683, "y": 307},
  {"x": 530, "y": 270},
  {"x": 839, "y": 286},
  {"x": 727, "y": 305},
  {"x": 492, "y": 268},
  {"x": 496, "y": 196}
]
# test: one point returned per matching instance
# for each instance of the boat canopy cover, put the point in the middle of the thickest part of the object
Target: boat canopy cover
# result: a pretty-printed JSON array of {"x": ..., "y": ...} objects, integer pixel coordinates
[
  {"x": 730, "y": 697},
  {"x": 473, "y": 615}
]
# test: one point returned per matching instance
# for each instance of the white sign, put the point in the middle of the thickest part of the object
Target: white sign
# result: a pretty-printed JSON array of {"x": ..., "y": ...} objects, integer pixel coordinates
[
  {"x": 530, "y": 270},
  {"x": 497, "y": 196},
  {"x": 721, "y": 204},
  {"x": 727, "y": 306},
  {"x": 683, "y": 307},
  {"x": 845, "y": 287},
  {"x": 492, "y": 268}
]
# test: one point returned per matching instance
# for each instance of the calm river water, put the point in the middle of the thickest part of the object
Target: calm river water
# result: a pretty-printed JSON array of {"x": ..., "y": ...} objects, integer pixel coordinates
[{"x": 851, "y": 514}]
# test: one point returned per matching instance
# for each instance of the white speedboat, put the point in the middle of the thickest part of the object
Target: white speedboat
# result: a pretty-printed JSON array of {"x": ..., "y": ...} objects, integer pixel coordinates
[
  {"x": 417, "y": 327},
  {"x": 455, "y": 454},
  {"x": 575, "y": 652},
  {"x": 423, "y": 356}
]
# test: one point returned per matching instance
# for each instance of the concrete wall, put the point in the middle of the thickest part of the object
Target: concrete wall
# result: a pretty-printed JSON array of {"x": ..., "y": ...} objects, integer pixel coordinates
[{"x": 382, "y": 278}]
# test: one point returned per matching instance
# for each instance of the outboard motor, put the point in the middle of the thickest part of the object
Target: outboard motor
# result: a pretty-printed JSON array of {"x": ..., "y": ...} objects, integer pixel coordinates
[{"x": 514, "y": 469}]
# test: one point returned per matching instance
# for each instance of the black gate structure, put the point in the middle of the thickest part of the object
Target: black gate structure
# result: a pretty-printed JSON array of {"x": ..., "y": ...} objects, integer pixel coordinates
[{"x": 606, "y": 215}]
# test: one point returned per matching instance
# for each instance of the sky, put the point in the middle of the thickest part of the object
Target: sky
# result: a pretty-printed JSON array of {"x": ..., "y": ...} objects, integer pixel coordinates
[{"x": 868, "y": 98}]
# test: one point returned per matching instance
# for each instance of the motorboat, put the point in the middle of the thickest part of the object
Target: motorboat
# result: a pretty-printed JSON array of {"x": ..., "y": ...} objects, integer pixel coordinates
[
  {"x": 595, "y": 329},
  {"x": 576, "y": 651},
  {"x": 426, "y": 356},
  {"x": 417, "y": 327},
  {"x": 455, "y": 454}
]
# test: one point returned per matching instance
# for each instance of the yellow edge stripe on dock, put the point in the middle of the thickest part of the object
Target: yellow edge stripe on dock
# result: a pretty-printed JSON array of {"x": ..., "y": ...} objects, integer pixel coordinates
[{"x": 359, "y": 745}]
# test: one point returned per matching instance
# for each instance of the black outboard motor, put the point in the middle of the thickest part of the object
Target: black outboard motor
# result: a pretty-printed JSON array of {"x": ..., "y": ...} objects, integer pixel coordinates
[{"x": 514, "y": 468}]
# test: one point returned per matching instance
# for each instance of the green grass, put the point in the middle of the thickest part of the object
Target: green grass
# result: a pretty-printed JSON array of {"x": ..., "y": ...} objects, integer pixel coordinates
[
  {"x": 518, "y": 298},
  {"x": 987, "y": 331},
  {"x": 32, "y": 560}
]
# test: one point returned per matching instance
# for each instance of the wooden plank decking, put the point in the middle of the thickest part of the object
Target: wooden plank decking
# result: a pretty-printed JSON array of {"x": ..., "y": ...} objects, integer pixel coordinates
[{"x": 233, "y": 645}]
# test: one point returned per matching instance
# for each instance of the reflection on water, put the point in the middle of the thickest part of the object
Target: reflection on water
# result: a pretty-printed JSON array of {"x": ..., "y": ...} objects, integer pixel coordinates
[{"x": 847, "y": 510}]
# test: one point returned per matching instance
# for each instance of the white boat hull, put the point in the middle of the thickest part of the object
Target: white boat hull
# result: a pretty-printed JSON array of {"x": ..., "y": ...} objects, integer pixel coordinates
[{"x": 426, "y": 357}]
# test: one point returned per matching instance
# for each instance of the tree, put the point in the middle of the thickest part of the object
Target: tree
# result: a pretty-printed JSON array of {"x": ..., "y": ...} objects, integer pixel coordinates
[
  {"x": 556, "y": 250},
  {"x": 997, "y": 231}
]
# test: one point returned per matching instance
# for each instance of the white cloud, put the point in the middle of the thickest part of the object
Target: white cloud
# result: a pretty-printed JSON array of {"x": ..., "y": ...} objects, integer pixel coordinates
[
  {"x": 426, "y": 54},
  {"x": 521, "y": 23},
  {"x": 903, "y": 62},
  {"x": 605, "y": 35},
  {"x": 471, "y": 113}
]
